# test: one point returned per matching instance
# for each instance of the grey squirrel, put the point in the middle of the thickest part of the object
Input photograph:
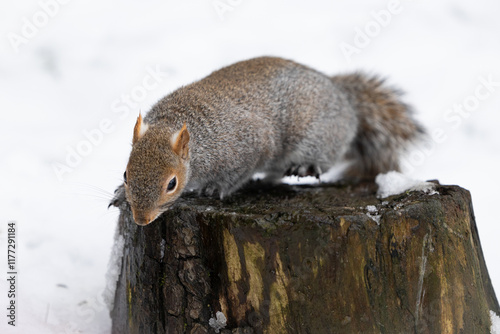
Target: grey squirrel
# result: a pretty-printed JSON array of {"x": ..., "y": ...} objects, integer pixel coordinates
[{"x": 267, "y": 115}]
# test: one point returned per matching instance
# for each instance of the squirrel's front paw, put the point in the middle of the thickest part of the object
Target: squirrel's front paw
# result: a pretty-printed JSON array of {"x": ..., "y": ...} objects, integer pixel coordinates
[{"x": 119, "y": 197}]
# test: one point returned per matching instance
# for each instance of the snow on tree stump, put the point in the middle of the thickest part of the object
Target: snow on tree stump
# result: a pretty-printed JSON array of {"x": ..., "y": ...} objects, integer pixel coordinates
[{"x": 306, "y": 259}]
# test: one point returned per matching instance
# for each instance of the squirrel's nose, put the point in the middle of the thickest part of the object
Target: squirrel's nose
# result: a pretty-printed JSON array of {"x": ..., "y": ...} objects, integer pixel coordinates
[
  {"x": 142, "y": 221},
  {"x": 143, "y": 218}
]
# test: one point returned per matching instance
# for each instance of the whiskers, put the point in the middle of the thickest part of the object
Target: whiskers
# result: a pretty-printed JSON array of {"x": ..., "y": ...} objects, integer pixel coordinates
[
  {"x": 93, "y": 197},
  {"x": 91, "y": 191}
]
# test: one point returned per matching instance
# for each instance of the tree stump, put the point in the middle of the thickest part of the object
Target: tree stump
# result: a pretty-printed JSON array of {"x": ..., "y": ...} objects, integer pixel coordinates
[{"x": 306, "y": 259}]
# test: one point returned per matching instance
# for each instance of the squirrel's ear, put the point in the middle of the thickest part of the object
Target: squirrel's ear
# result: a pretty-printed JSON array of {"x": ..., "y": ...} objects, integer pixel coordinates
[
  {"x": 180, "y": 141},
  {"x": 140, "y": 129}
]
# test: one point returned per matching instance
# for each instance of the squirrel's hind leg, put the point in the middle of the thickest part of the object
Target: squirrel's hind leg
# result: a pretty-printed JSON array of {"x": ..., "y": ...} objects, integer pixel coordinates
[{"x": 304, "y": 170}]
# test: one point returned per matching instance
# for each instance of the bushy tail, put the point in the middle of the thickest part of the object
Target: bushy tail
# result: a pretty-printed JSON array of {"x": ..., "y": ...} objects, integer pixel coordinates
[{"x": 386, "y": 127}]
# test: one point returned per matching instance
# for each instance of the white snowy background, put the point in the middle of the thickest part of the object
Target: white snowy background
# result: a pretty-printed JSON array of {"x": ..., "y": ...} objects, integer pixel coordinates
[{"x": 71, "y": 76}]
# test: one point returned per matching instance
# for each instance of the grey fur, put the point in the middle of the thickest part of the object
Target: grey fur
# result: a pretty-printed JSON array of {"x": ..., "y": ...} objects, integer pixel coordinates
[{"x": 274, "y": 116}]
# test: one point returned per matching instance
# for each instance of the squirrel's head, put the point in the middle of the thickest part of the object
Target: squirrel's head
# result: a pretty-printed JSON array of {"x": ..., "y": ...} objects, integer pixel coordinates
[{"x": 157, "y": 170}]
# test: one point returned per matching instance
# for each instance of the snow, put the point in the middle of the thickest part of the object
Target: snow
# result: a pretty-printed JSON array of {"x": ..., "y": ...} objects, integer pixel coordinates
[
  {"x": 71, "y": 94},
  {"x": 372, "y": 210},
  {"x": 495, "y": 323},
  {"x": 393, "y": 183},
  {"x": 162, "y": 248},
  {"x": 375, "y": 218},
  {"x": 218, "y": 323}
]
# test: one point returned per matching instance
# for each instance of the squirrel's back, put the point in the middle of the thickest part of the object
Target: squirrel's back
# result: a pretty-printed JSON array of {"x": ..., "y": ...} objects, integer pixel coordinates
[{"x": 261, "y": 115}]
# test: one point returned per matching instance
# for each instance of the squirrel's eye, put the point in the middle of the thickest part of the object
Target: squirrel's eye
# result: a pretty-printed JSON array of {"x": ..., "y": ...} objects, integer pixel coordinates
[
  {"x": 125, "y": 177},
  {"x": 172, "y": 184}
]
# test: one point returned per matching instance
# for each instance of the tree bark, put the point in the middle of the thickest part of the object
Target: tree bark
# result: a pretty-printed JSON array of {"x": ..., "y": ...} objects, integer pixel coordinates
[{"x": 309, "y": 259}]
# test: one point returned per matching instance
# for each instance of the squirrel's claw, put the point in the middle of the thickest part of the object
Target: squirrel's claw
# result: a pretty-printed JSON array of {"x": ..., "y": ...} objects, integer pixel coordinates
[
  {"x": 315, "y": 171},
  {"x": 292, "y": 171}
]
